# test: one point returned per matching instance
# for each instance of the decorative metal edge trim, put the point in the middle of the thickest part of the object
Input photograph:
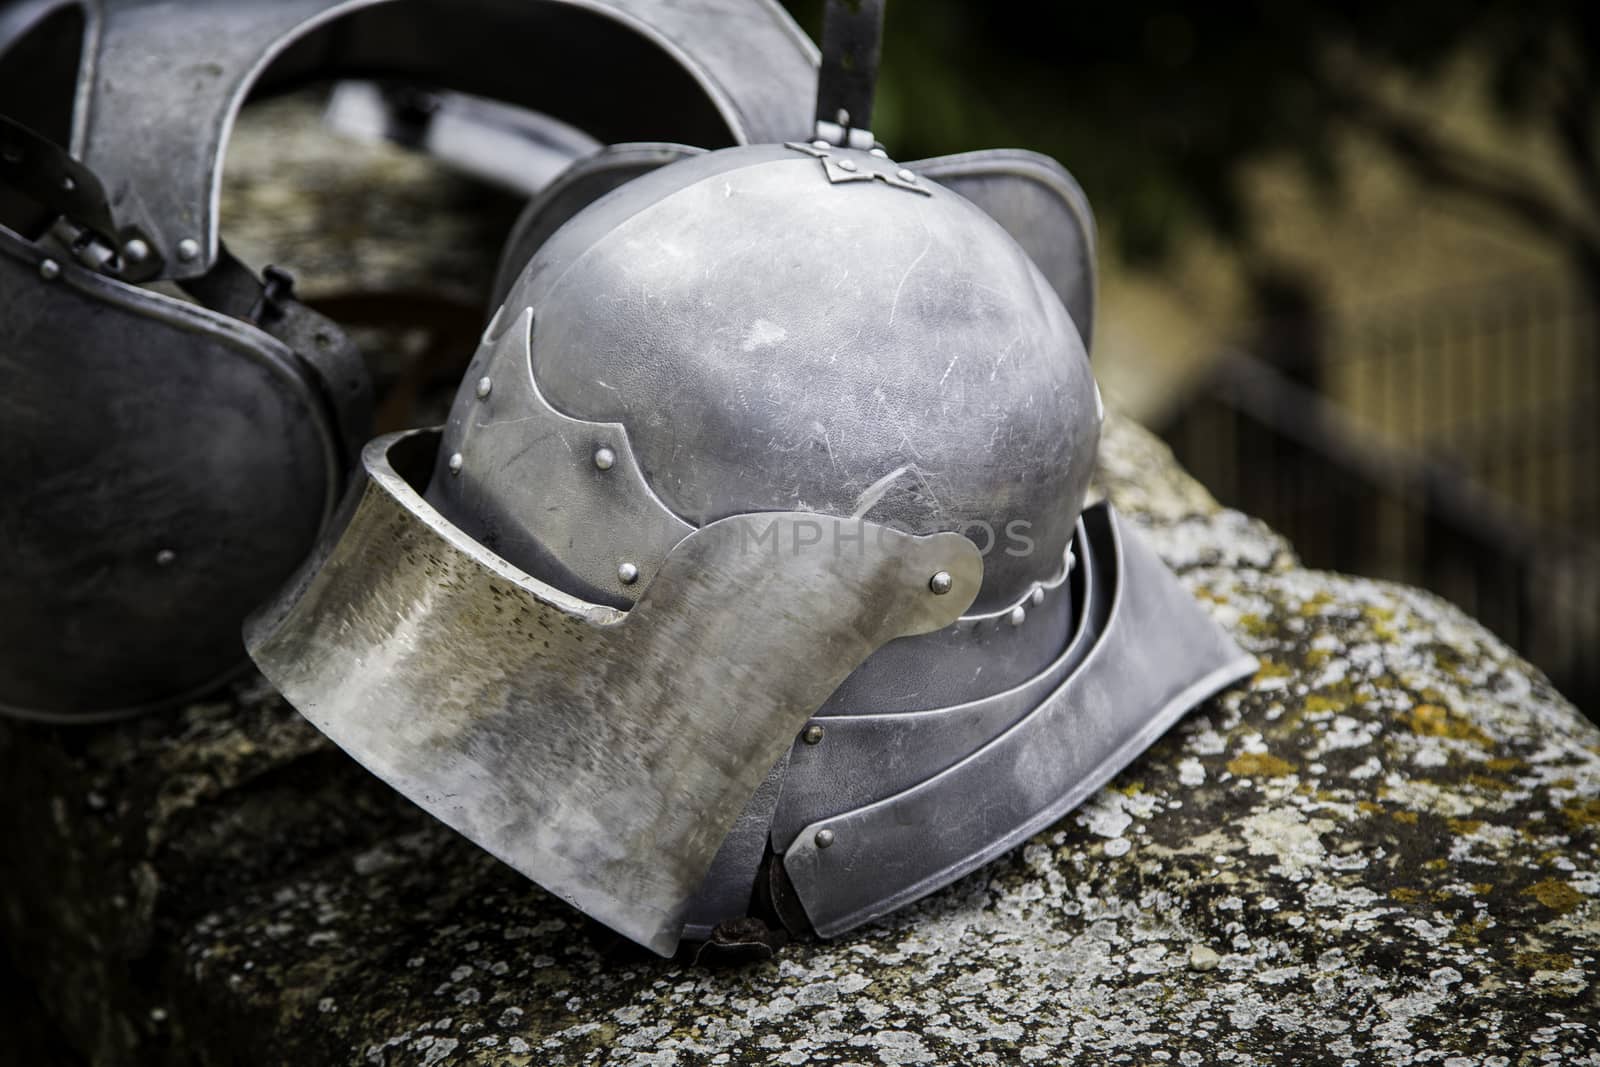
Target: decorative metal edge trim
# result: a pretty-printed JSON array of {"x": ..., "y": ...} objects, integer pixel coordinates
[
  {"x": 863, "y": 164},
  {"x": 1035, "y": 594},
  {"x": 652, "y": 528}
]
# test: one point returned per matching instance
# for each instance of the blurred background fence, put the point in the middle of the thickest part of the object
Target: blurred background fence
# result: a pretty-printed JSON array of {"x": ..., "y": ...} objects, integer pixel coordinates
[{"x": 1451, "y": 443}]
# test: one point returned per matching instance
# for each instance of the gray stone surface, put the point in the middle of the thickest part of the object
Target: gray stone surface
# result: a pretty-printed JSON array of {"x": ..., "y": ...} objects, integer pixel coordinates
[{"x": 1380, "y": 850}]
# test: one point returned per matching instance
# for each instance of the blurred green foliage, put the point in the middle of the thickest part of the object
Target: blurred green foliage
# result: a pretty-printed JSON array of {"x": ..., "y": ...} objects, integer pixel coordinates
[{"x": 1155, "y": 106}]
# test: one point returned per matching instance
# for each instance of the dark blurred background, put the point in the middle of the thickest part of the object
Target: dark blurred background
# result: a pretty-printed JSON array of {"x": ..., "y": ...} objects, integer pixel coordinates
[{"x": 1350, "y": 254}]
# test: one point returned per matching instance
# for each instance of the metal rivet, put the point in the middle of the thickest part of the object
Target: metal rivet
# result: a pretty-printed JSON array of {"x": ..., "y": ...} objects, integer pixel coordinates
[
  {"x": 880, "y": 153},
  {"x": 905, "y": 175},
  {"x": 813, "y": 734},
  {"x": 820, "y": 144},
  {"x": 484, "y": 387},
  {"x": 49, "y": 270},
  {"x": 1017, "y": 615},
  {"x": 824, "y": 838},
  {"x": 847, "y": 164},
  {"x": 136, "y": 251},
  {"x": 456, "y": 460},
  {"x": 165, "y": 557},
  {"x": 941, "y": 583},
  {"x": 604, "y": 458},
  {"x": 627, "y": 574},
  {"x": 1037, "y": 597},
  {"x": 67, "y": 184},
  {"x": 842, "y": 117},
  {"x": 188, "y": 249}
]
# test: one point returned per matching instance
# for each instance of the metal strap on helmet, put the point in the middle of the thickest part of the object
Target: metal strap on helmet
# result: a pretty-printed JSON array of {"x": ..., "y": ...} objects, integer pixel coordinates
[{"x": 852, "y": 37}]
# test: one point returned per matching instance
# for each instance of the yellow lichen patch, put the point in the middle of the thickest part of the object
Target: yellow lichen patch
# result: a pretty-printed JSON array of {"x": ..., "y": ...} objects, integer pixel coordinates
[
  {"x": 1370, "y": 807},
  {"x": 1483, "y": 889},
  {"x": 1492, "y": 785},
  {"x": 1379, "y": 619},
  {"x": 1467, "y": 933},
  {"x": 1585, "y": 812},
  {"x": 1269, "y": 669},
  {"x": 1544, "y": 961},
  {"x": 1432, "y": 720},
  {"x": 1205, "y": 592},
  {"x": 1316, "y": 657},
  {"x": 1407, "y": 817},
  {"x": 1437, "y": 865},
  {"x": 1254, "y": 624},
  {"x": 1556, "y": 895},
  {"x": 1464, "y": 826},
  {"x": 1502, "y": 764},
  {"x": 1405, "y": 894},
  {"x": 1132, "y": 789},
  {"x": 1259, "y": 765},
  {"x": 1318, "y": 702},
  {"x": 1314, "y": 604}
]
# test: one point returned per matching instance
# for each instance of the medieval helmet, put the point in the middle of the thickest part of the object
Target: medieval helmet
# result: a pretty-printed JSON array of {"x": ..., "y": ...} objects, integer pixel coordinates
[
  {"x": 173, "y": 456},
  {"x": 752, "y": 572}
]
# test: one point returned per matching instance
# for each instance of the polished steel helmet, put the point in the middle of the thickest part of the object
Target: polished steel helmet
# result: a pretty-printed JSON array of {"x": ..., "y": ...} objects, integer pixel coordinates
[
  {"x": 178, "y": 426},
  {"x": 751, "y": 575}
]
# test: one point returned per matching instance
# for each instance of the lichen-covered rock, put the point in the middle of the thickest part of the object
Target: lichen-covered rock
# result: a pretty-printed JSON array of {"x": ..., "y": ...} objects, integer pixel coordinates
[{"x": 1381, "y": 849}]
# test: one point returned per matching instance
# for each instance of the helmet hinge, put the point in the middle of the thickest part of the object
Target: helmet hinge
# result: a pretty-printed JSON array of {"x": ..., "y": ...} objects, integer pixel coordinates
[{"x": 97, "y": 238}]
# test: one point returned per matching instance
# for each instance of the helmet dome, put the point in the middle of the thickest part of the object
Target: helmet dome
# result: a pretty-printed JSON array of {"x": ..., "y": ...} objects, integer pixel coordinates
[{"x": 790, "y": 328}]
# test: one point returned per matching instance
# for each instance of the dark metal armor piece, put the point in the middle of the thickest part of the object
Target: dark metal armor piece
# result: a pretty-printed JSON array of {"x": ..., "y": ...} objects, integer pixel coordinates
[
  {"x": 752, "y": 568},
  {"x": 172, "y": 462}
]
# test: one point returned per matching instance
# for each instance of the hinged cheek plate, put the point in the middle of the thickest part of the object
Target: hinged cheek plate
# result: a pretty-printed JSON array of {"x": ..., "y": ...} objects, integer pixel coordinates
[{"x": 604, "y": 754}]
